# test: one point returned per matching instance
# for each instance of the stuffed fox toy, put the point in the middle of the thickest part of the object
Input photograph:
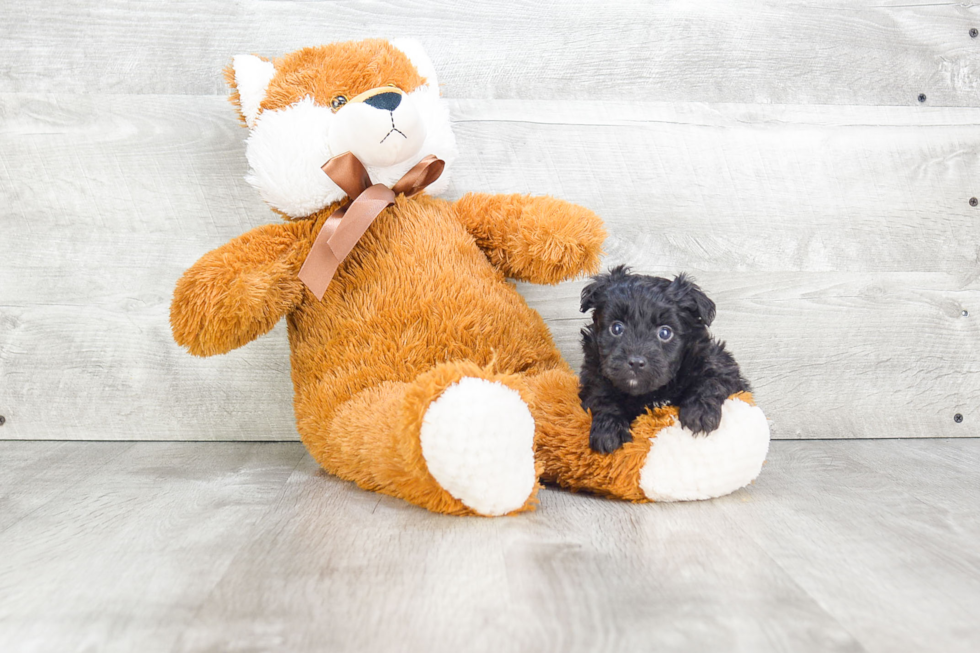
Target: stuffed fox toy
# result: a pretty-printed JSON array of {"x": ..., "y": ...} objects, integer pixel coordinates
[{"x": 418, "y": 370}]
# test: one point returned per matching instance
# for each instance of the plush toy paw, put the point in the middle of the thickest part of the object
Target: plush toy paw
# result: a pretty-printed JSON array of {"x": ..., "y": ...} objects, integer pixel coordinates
[
  {"x": 478, "y": 443},
  {"x": 682, "y": 467},
  {"x": 559, "y": 240}
]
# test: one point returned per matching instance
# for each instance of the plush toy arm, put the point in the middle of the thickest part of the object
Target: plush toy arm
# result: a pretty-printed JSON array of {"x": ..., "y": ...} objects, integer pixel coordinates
[
  {"x": 238, "y": 291},
  {"x": 536, "y": 239}
]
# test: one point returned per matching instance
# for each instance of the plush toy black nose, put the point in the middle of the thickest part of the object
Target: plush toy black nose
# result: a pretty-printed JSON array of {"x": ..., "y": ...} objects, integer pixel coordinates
[
  {"x": 388, "y": 101},
  {"x": 637, "y": 362}
]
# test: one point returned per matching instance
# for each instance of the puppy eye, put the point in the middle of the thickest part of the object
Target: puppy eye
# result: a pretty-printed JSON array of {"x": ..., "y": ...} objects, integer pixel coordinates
[
  {"x": 617, "y": 328},
  {"x": 338, "y": 102},
  {"x": 665, "y": 333}
]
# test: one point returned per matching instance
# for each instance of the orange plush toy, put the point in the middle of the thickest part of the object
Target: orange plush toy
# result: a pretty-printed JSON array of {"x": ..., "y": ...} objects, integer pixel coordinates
[{"x": 418, "y": 370}]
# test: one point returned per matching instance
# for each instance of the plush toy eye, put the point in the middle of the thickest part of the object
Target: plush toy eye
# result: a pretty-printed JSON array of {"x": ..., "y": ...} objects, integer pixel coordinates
[
  {"x": 617, "y": 328},
  {"x": 338, "y": 102},
  {"x": 665, "y": 333}
]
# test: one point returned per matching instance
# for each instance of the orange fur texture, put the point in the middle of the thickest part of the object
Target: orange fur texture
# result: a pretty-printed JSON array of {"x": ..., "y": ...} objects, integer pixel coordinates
[
  {"x": 421, "y": 302},
  {"x": 325, "y": 71},
  {"x": 416, "y": 306},
  {"x": 567, "y": 460}
]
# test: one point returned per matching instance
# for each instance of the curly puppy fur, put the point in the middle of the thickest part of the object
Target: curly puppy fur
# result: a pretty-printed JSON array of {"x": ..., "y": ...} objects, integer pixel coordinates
[{"x": 648, "y": 345}]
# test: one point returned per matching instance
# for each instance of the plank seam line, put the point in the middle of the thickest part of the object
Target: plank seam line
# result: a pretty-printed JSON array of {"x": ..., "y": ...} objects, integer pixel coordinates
[
  {"x": 231, "y": 560},
  {"x": 58, "y": 495},
  {"x": 790, "y": 577}
]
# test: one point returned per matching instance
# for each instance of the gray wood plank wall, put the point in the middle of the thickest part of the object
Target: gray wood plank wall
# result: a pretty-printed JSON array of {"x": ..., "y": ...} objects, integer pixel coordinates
[{"x": 778, "y": 151}]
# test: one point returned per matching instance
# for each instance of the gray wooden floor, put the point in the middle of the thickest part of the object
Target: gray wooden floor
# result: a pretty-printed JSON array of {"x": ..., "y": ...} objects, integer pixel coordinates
[{"x": 840, "y": 545}]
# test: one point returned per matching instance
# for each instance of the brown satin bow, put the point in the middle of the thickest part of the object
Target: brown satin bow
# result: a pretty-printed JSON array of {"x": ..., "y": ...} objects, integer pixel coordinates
[{"x": 342, "y": 230}]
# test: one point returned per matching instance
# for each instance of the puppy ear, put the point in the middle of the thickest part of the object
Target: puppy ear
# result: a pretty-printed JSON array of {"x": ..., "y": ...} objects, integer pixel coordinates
[
  {"x": 594, "y": 294},
  {"x": 691, "y": 298}
]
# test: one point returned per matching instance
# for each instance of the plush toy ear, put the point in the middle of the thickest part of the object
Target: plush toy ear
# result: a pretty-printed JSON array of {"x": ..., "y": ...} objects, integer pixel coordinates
[
  {"x": 594, "y": 294},
  {"x": 691, "y": 298},
  {"x": 249, "y": 77},
  {"x": 416, "y": 54}
]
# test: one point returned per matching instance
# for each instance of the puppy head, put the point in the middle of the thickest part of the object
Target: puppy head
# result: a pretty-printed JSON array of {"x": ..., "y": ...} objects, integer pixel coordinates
[
  {"x": 643, "y": 325},
  {"x": 374, "y": 98}
]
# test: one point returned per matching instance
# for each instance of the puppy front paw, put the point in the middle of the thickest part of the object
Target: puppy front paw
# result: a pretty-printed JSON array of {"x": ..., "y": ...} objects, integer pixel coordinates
[
  {"x": 700, "y": 417},
  {"x": 608, "y": 433}
]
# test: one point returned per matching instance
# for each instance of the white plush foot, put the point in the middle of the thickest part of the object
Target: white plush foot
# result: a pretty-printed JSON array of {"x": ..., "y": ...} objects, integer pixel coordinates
[
  {"x": 682, "y": 467},
  {"x": 478, "y": 443}
]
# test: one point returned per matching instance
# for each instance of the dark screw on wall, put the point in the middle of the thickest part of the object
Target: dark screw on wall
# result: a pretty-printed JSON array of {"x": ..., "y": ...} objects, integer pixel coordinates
[
  {"x": 2, "y": 420},
  {"x": 922, "y": 97},
  {"x": 957, "y": 418},
  {"x": 973, "y": 32},
  {"x": 973, "y": 201},
  {"x": 965, "y": 313}
]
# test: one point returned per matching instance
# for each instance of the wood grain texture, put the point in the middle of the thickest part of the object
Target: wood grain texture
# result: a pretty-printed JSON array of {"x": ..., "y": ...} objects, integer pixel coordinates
[
  {"x": 830, "y": 354},
  {"x": 744, "y": 188},
  {"x": 105, "y": 202},
  {"x": 838, "y": 243},
  {"x": 581, "y": 574},
  {"x": 141, "y": 539},
  {"x": 762, "y": 51},
  {"x": 37, "y": 472},
  {"x": 839, "y": 546},
  {"x": 912, "y": 519}
]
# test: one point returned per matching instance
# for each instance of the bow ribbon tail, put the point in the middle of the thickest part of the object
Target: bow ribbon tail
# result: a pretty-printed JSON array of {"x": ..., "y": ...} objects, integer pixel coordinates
[
  {"x": 341, "y": 231},
  {"x": 338, "y": 236},
  {"x": 421, "y": 175}
]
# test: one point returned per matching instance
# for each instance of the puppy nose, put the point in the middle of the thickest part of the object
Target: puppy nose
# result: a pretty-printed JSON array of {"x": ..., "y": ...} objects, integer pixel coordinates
[
  {"x": 637, "y": 362},
  {"x": 388, "y": 101}
]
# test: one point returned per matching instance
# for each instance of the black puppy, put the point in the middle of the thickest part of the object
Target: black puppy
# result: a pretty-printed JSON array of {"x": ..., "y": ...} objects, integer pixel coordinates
[{"x": 648, "y": 345}]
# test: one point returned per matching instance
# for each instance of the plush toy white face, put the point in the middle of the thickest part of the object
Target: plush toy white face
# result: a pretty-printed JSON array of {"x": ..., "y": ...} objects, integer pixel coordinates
[
  {"x": 303, "y": 115},
  {"x": 381, "y": 127}
]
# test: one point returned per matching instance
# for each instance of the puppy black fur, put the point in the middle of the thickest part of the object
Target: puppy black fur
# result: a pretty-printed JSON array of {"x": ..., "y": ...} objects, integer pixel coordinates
[{"x": 648, "y": 345}]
